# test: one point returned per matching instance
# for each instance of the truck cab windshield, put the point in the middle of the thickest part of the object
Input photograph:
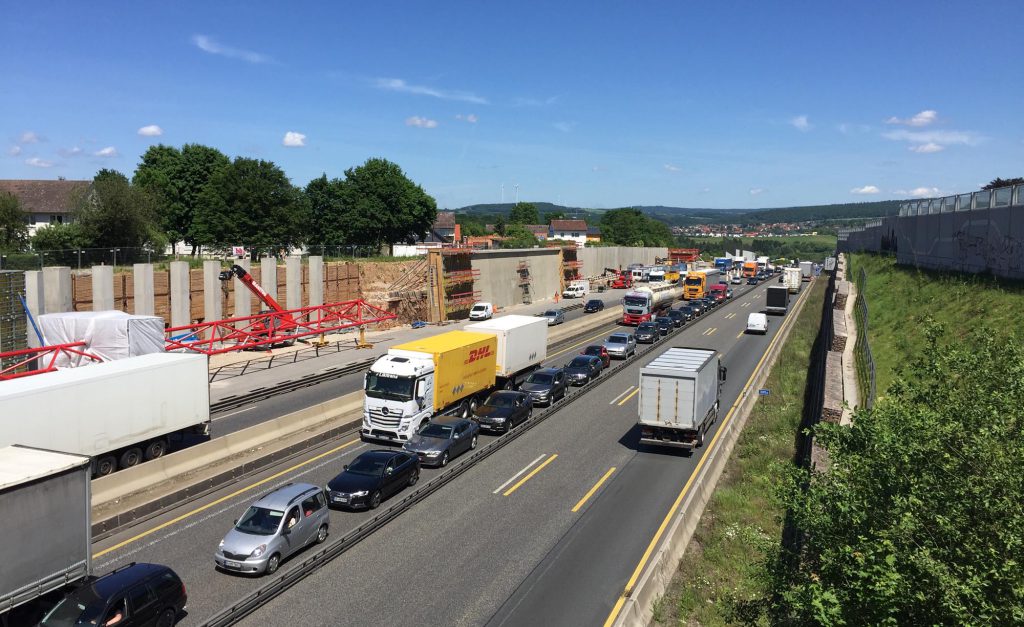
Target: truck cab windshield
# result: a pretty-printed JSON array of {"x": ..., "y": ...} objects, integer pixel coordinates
[
  {"x": 389, "y": 387},
  {"x": 692, "y": 281},
  {"x": 635, "y": 301}
]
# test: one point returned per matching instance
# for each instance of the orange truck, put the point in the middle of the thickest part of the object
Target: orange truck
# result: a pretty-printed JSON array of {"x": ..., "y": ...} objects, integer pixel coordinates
[{"x": 749, "y": 269}]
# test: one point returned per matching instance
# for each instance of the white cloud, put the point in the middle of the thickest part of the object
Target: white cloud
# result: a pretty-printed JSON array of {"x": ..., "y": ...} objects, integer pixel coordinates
[
  {"x": 754, "y": 191},
  {"x": 800, "y": 123},
  {"x": 399, "y": 85},
  {"x": 923, "y": 118},
  {"x": 847, "y": 128},
  {"x": 419, "y": 122},
  {"x": 867, "y": 189},
  {"x": 39, "y": 163},
  {"x": 534, "y": 102},
  {"x": 293, "y": 139},
  {"x": 706, "y": 190},
  {"x": 672, "y": 168},
  {"x": 28, "y": 137},
  {"x": 14, "y": 151},
  {"x": 597, "y": 168},
  {"x": 151, "y": 131},
  {"x": 471, "y": 118},
  {"x": 109, "y": 151},
  {"x": 74, "y": 151},
  {"x": 919, "y": 192},
  {"x": 942, "y": 138},
  {"x": 207, "y": 44},
  {"x": 565, "y": 127},
  {"x": 930, "y": 147}
]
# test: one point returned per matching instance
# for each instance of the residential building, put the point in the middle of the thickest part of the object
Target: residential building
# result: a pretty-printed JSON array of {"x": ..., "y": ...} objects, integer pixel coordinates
[
  {"x": 444, "y": 230},
  {"x": 593, "y": 234},
  {"x": 569, "y": 230},
  {"x": 46, "y": 202}
]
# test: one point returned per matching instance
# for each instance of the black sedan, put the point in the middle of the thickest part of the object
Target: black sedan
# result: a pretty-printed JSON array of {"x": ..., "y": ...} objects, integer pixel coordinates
[
  {"x": 647, "y": 333},
  {"x": 709, "y": 303},
  {"x": 698, "y": 307},
  {"x": 545, "y": 386},
  {"x": 503, "y": 410},
  {"x": 442, "y": 440},
  {"x": 678, "y": 317},
  {"x": 664, "y": 324},
  {"x": 593, "y": 306},
  {"x": 688, "y": 313},
  {"x": 373, "y": 477},
  {"x": 752, "y": 280},
  {"x": 582, "y": 369}
]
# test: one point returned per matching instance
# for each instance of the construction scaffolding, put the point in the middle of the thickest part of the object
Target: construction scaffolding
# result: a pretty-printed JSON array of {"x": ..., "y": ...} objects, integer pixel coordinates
[
  {"x": 525, "y": 280},
  {"x": 569, "y": 265},
  {"x": 452, "y": 278}
]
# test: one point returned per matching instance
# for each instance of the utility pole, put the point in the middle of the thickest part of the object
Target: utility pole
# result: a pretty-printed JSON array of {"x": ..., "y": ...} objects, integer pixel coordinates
[
  {"x": 517, "y": 193},
  {"x": 502, "y": 193}
]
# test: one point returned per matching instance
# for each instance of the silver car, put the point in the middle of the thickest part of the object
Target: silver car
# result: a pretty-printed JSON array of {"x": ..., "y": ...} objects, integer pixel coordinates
[
  {"x": 621, "y": 345},
  {"x": 554, "y": 316},
  {"x": 273, "y": 528}
]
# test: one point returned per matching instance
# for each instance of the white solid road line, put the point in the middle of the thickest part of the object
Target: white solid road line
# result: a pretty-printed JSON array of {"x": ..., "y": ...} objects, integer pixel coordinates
[
  {"x": 234, "y": 413},
  {"x": 518, "y": 474},
  {"x": 624, "y": 392}
]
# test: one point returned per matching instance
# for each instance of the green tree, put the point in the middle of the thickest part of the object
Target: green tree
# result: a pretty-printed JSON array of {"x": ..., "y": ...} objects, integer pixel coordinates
[
  {"x": 384, "y": 206},
  {"x": 919, "y": 519},
  {"x": 13, "y": 226},
  {"x": 330, "y": 222},
  {"x": 176, "y": 178},
  {"x": 62, "y": 239},
  {"x": 251, "y": 203},
  {"x": 117, "y": 214},
  {"x": 524, "y": 213},
  {"x": 996, "y": 183},
  {"x": 630, "y": 227},
  {"x": 553, "y": 215},
  {"x": 499, "y": 225},
  {"x": 519, "y": 237}
]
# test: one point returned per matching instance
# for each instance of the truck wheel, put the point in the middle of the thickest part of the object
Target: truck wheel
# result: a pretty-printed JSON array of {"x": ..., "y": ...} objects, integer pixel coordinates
[
  {"x": 700, "y": 437},
  {"x": 464, "y": 409},
  {"x": 155, "y": 449},
  {"x": 105, "y": 465},
  {"x": 131, "y": 457},
  {"x": 472, "y": 407}
]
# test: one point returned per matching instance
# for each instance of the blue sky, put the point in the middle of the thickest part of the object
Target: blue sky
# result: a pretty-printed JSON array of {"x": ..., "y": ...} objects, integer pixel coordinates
[{"x": 591, "y": 104}]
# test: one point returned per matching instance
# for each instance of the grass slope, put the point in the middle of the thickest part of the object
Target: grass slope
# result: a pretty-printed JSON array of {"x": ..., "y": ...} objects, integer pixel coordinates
[{"x": 742, "y": 521}]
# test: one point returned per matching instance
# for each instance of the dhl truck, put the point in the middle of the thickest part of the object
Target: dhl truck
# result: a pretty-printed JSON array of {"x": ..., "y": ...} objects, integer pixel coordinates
[
  {"x": 449, "y": 373},
  {"x": 698, "y": 283}
]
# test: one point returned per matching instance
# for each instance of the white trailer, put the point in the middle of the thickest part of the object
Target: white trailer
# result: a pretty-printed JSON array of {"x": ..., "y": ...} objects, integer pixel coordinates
[
  {"x": 806, "y": 270},
  {"x": 119, "y": 413},
  {"x": 791, "y": 279},
  {"x": 679, "y": 395},
  {"x": 522, "y": 344},
  {"x": 46, "y": 544}
]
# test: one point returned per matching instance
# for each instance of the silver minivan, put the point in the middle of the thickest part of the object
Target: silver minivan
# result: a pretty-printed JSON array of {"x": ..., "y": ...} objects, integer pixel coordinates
[{"x": 273, "y": 528}]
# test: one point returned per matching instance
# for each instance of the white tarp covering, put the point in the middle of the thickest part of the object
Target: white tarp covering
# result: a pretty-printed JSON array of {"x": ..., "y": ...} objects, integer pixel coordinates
[{"x": 110, "y": 335}]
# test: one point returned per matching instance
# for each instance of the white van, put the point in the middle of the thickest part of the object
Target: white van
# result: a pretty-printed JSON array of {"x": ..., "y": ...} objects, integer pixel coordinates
[
  {"x": 577, "y": 289},
  {"x": 757, "y": 323},
  {"x": 481, "y": 311}
]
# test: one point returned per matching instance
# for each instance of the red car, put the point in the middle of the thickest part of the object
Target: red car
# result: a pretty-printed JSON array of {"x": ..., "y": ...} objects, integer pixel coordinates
[{"x": 598, "y": 350}]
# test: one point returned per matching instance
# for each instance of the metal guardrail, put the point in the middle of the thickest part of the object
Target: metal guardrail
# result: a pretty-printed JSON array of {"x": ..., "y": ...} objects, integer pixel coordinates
[
  {"x": 863, "y": 358},
  {"x": 267, "y": 592}
]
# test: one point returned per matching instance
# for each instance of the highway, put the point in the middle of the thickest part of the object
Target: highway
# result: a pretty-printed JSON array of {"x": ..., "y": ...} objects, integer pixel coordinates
[{"x": 517, "y": 552}]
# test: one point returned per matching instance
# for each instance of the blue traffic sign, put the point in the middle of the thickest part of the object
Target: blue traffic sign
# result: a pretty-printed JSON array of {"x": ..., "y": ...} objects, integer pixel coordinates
[{"x": 763, "y": 391}]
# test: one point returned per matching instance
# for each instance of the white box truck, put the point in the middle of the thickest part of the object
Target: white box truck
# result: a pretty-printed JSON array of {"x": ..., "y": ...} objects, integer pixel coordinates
[
  {"x": 46, "y": 543},
  {"x": 679, "y": 394},
  {"x": 118, "y": 413},
  {"x": 522, "y": 345},
  {"x": 806, "y": 270},
  {"x": 791, "y": 279}
]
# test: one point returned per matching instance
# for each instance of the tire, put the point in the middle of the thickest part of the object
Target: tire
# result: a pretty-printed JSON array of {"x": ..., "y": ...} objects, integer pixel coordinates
[
  {"x": 321, "y": 534},
  {"x": 509, "y": 385},
  {"x": 106, "y": 465},
  {"x": 155, "y": 449},
  {"x": 444, "y": 460},
  {"x": 375, "y": 499},
  {"x": 166, "y": 618},
  {"x": 472, "y": 443},
  {"x": 414, "y": 478},
  {"x": 700, "y": 437},
  {"x": 464, "y": 409},
  {"x": 273, "y": 564},
  {"x": 472, "y": 407},
  {"x": 130, "y": 457}
]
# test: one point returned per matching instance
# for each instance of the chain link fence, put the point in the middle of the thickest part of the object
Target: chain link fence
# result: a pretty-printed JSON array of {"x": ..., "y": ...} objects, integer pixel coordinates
[{"x": 862, "y": 349}]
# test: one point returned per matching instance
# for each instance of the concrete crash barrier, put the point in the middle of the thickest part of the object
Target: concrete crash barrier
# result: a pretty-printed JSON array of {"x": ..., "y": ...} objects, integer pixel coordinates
[
  {"x": 832, "y": 409},
  {"x": 839, "y": 331},
  {"x": 657, "y": 574},
  {"x": 584, "y": 325},
  {"x": 136, "y": 493}
]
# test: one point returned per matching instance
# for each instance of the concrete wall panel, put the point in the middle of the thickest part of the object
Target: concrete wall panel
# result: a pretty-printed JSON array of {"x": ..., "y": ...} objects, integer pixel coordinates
[{"x": 499, "y": 282}]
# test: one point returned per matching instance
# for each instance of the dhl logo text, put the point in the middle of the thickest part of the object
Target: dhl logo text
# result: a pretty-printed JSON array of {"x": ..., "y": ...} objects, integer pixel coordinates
[{"x": 478, "y": 353}]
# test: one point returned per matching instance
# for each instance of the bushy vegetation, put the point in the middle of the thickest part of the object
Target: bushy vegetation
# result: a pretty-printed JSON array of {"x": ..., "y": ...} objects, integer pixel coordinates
[{"x": 807, "y": 247}]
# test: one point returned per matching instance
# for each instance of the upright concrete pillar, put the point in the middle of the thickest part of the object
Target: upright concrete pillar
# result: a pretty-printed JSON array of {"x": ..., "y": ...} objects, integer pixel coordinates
[
  {"x": 268, "y": 276},
  {"x": 293, "y": 282},
  {"x": 212, "y": 308},
  {"x": 181, "y": 305},
  {"x": 102, "y": 288},
  {"x": 35, "y": 302},
  {"x": 316, "y": 280},
  {"x": 144, "y": 294},
  {"x": 243, "y": 298},
  {"x": 57, "y": 289}
]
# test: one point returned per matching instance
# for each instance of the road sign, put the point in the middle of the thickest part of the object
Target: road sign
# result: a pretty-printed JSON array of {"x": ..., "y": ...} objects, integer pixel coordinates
[{"x": 763, "y": 391}]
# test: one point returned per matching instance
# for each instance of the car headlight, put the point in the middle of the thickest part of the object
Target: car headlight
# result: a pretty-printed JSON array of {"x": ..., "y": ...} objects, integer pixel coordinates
[
  {"x": 361, "y": 493},
  {"x": 258, "y": 550},
  {"x": 432, "y": 453},
  {"x": 221, "y": 545}
]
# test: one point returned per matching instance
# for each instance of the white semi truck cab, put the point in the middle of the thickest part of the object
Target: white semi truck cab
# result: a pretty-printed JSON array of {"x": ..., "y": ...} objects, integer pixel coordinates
[{"x": 399, "y": 395}]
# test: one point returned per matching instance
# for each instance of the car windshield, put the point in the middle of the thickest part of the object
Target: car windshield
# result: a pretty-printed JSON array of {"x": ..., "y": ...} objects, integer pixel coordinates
[
  {"x": 592, "y": 350},
  {"x": 259, "y": 521},
  {"x": 543, "y": 379},
  {"x": 665, "y": 320},
  {"x": 500, "y": 400},
  {"x": 593, "y": 303},
  {"x": 618, "y": 339},
  {"x": 645, "y": 326},
  {"x": 370, "y": 466},
  {"x": 437, "y": 431},
  {"x": 550, "y": 314},
  {"x": 479, "y": 308},
  {"x": 82, "y": 606},
  {"x": 580, "y": 362},
  {"x": 389, "y": 386}
]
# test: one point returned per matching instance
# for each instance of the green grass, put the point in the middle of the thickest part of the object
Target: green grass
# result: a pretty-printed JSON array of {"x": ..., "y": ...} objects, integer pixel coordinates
[
  {"x": 742, "y": 522},
  {"x": 901, "y": 298}
]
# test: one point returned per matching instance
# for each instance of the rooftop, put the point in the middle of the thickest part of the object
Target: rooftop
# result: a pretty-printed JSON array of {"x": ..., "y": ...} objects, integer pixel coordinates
[{"x": 45, "y": 196}]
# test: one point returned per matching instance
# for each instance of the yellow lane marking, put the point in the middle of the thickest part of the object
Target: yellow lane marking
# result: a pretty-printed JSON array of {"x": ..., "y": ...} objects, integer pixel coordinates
[
  {"x": 590, "y": 492},
  {"x": 221, "y": 500},
  {"x": 710, "y": 331},
  {"x": 516, "y": 476},
  {"x": 745, "y": 305},
  {"x": 530, "y": 476},
  {"x": 689, "y": 483},
  {"x": 631, "y": 395},
  {"x": 730, "y": 316},
  {"x": 621, "y": 395},
  {"x": 740, "y": 334}
]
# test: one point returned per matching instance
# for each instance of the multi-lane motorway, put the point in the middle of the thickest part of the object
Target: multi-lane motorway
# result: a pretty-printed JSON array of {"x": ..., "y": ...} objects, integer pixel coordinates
[{"x": 547, "y": 530}]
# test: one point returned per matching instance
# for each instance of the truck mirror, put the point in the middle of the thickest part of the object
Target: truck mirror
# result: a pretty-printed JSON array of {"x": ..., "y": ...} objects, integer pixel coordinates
[
  {"x": 723, "y": 372},
  {"x": 421, "y": 386}
]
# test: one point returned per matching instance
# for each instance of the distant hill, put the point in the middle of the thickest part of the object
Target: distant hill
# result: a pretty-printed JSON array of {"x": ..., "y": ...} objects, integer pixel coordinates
[{"x": 683, "y": 216}]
